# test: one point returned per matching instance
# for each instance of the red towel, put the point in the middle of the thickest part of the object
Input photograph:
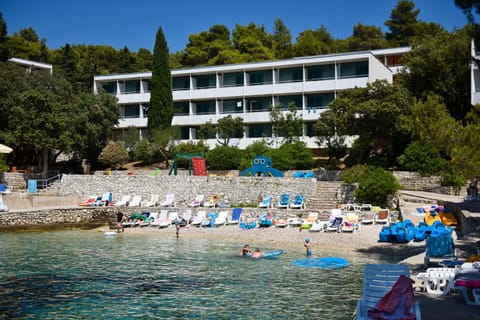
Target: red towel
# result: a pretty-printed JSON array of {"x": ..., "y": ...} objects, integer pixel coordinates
[{"x": 397, "y": 302}]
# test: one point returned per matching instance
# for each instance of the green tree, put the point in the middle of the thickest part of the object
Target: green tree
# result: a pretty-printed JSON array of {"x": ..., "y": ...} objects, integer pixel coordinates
[
  {"x": 402, "y": 23},
  {"x": 143, "y": 151},
  {"x": 313, "y": 42},
  {"x": 229, "y": 127},
  {"x": 286, "y": 125},
  {"x": 224, "y": 158},
  {"x": 160, "y": 113},
  {"x": 376, "y": 186},
  {"x": 325, "y": 130},
  {"x": 253, "y": 42},
  {"x": 282, "y": 40},
  {"x": 204, "y": 48},
  {"x": 423, "y": 158},
  {"x": 376, "y": 114},
  {"x": 440, "y": 64},
  {"x": 366, "y": 38},
  {"x": 3, "y": 39},
  {"x": 130, "y": 137},
  {"x": 290, "y": 156},
  {"x": 114, "y": 155}
]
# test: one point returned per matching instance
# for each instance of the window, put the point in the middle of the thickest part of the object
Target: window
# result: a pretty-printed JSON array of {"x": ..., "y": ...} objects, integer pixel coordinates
[
  {"x": 181, "y": 83},
  {"x": 290, "y": 75},
  {"x": 260, "y": 77},
  {"x": 145, "y": 107},
  {"x": 232, "y": 106},
  {"x": 132, "y": 86},
  {"x": 205, "y": 107},
  {"x": 259, "y": 104},
  {"x": 319, "y": 101},
  {"x": 309, "y": 129},
  {"x": 353, "y": 69},
  {"x": 131, "y": 111},
  {"x": 259, "y": 131},
  {"x": 321, "y": 72},
  {"x": 285, "y": 101},
  {"x": 181, "y": 108},
  {"x": 205, "y": 81},
  {"x": 184, "y": 133},
  {"x": 147, "y": 85},
  {"x": 110, "y": 87},
  {"x": 394, "y": 61},
  {"x": 234, "y": 79}
]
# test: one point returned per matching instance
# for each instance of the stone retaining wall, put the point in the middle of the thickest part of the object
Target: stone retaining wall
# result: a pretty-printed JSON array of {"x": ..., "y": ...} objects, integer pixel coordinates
[{"x": 238, "y": 191}]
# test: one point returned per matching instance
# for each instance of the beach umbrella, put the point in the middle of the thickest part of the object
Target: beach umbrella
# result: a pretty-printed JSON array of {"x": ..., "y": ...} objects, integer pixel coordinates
[{"x": 5, "y": 149}]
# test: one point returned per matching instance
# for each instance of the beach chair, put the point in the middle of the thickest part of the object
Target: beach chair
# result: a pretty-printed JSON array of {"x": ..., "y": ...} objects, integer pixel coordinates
[
  {"x": 169, "y": 201},
  {"x": 439, "y": 281},
  {"x": 318, "y": 226},
  {"x": 135, "y": 202},
  {"x": 153, "y": 202},
  {"x": 350, "y": 223},
  {"x": 161, "y": 218},
  {"x": 266, "y": 219},
  {"x": 197, "y": 221},
  {"x": 382, "y": 216},
  {"x": 197, "y": 202},
  {"x": 105, "y": 200},
  {"x": 266, "y": 202},
  {"x": 186, "y": 216},
  {"x": 3, "y": 206},
  {"x": 221, "y": 219},
  {"x": 440, "y": 245},
  {"x": 298, "y": 202},
  {"x": 5, "y": 189},
  {"x": 213, "y": 202},
  {"x": 123, "y": 201},
  {"x": 172, "y": 216},
  {"x": 284, "y": 201},
  {"x": 89, "y": 201},
  {"x": 334, "y": 224},
  {"x": 386, "y": 290},
  {"x": 310, "y": 220},
  {"x": 235, "y": 217}
]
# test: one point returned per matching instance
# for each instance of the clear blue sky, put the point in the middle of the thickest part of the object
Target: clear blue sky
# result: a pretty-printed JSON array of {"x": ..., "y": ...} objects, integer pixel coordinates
[{"x": 134, "y": 23}]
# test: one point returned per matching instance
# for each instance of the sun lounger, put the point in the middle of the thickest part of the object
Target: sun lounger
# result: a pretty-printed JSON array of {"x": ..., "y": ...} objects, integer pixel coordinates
[
  {"x": 123, "y": 201},
  {"x": 235, "y": 217},
  {"x": 3, "y": 206},
  {"x": 387, "y": 292}
]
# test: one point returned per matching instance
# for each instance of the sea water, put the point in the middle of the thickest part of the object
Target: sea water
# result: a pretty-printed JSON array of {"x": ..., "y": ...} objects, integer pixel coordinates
[{"x": 87, "y": 275}]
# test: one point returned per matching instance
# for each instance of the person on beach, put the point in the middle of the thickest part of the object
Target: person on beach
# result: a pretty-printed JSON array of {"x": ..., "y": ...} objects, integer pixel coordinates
[
  {"x": 119, "y": 222},
  {"x": 308, "y": 246},
  {"x": 257, "y": 253},
  {"x": 177, "y": 227},
  {"x": 246, "y": 251}
]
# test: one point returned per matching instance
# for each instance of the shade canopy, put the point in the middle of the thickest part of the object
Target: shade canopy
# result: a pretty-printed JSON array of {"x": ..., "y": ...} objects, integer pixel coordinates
[{"x": 5, "y": 149}]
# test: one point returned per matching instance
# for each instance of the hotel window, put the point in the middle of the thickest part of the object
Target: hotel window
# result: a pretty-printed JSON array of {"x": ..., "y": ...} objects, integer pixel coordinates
[
  {"x": 147, "y": 86},
  {"x": 260, "y": 77},
  {"x": 184, "y": 133},
  {"x": 131, "y": 111},
  {"x": 205, "y": 107},
  {"x": 180, "y": 83},
  {"x": 353, "y": 69},
  {"x": 321, "y": 72},
  {"x": 309, "y": 131},
  {"x": 394, "y": 61},
  {"x": 259, "y": 131},
  {"x": 110, "y": 87},
  {"x": 181, "y": 108},
  {"x": 234, "y": 79},
  {"x": 259, "y": 104},
  {"x": 319, "y": 101},
  {"x": 204, "y": 81},
  {"x": 285, "y": 101},
  {"x": 145, "y": 107},
  {"x": 232, "y": 106},
  {"x": 291, "y": 75},
  {"x": 132, "y": 86}
]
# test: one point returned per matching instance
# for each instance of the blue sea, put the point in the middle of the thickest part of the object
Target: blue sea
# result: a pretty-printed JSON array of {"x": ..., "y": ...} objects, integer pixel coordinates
[{"x": 86, "y": 275}]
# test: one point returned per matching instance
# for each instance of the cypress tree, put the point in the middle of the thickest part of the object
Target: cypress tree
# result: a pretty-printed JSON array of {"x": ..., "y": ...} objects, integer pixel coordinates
[{"x": 160, "y": 112}]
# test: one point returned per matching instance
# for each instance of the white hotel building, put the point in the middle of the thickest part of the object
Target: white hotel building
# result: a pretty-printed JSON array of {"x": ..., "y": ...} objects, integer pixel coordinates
[{"x": 248, "y": 90}]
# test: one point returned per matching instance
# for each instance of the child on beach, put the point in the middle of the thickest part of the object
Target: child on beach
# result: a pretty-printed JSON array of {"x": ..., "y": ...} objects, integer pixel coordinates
[{"x": 308, "y": 246}]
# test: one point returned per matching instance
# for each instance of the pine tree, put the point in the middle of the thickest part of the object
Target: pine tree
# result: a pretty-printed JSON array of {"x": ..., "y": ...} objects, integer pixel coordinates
[{"x": 160, "y": 113}]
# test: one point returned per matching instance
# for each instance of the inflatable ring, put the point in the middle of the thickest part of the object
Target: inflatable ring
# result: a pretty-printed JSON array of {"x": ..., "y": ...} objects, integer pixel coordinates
[{"x": 321, "y": 263}]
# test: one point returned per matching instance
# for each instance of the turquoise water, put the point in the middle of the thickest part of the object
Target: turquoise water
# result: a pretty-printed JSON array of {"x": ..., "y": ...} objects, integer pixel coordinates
[{"x": 85, "y": 275}]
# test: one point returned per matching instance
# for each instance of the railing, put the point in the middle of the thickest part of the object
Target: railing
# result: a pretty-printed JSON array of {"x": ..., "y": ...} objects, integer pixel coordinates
[{"x": 45, "y": 183}]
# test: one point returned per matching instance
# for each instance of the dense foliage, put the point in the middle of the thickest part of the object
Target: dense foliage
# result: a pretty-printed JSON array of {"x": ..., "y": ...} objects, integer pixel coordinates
[{"x": 114, "y": 155}]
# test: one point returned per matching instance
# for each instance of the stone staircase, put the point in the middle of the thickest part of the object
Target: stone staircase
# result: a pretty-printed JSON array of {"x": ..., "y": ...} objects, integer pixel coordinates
[{"x": 325, "y": 197}]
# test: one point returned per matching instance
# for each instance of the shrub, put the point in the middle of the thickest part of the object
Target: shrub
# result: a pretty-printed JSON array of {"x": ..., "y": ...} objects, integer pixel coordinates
[
  {"x": 292, "y": 156},
  {"x": 353, "y": 174},
  {"x": 224, "y": 158},
  {"x": 424, "y": 159},
  {"x": 114, "y": 154},
  {"x": 143, "y": 151},
  {"x": 375, "y": 186}
]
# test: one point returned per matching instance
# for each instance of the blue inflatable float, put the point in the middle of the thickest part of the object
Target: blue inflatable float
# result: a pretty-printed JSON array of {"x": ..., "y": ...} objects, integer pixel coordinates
[{"x": 321, "y": 263}]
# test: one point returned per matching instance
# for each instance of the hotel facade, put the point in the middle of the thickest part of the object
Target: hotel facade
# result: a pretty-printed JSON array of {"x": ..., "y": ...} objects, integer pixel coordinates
[{"x": 248, "y": 90}]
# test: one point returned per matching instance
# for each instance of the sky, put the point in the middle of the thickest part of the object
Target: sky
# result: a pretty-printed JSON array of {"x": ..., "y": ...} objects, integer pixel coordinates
[{"x": 134, "y": 23}]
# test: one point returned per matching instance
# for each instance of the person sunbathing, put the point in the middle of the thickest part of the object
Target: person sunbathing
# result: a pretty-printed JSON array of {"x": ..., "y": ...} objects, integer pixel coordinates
[{"x": 257, "y": 253}]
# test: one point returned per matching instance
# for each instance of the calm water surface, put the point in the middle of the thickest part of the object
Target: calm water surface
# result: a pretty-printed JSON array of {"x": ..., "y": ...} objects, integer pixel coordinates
[{"x": 85, "y": 275}]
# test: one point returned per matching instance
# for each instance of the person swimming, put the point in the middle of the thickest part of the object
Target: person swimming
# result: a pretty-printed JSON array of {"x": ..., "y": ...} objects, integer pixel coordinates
[
  {"x": 257, "y": 253},
  {"x": 246, "y": 251}
]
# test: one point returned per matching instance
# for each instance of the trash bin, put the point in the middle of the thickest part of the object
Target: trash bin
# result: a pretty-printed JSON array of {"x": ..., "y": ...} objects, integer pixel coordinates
[{"x": 32, "y": 186}]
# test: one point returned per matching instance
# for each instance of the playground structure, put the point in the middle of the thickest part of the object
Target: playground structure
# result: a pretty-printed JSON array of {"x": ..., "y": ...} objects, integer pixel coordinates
[
  {"x": 196, "y": 164},
  {"x": 261, "y": 167}
]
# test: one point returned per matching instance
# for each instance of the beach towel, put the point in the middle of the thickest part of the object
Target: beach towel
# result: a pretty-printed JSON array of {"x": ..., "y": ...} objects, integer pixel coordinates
[{"x": 397, "y": 303}]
